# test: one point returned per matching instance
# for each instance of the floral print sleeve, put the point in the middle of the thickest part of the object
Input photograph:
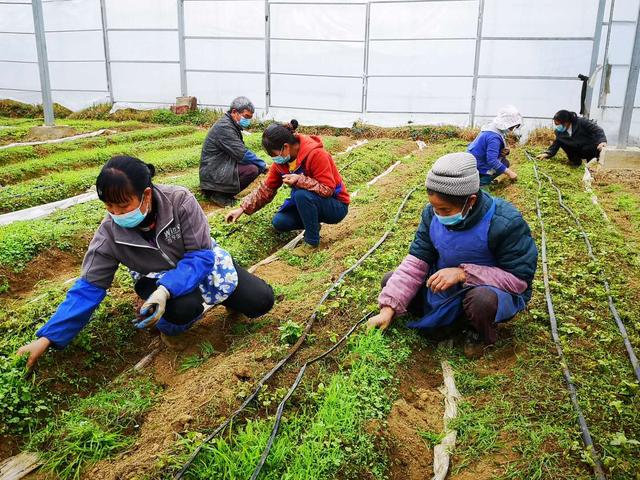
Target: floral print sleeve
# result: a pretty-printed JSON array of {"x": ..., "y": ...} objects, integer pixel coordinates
[{"x": 218, "y": 285}]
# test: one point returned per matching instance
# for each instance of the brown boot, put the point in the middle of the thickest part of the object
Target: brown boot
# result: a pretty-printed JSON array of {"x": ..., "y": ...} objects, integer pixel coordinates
[{"x": 305, "y": 250}]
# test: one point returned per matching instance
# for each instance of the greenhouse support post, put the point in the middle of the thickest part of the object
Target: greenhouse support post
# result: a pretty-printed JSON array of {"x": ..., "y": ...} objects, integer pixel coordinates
[
  {"x": 597, "y": 35},
  {"x": 365, "y": 67},
  {"x": 605, "y": 58},
  {"x": 105, "y": 43},
  {"x": 630, "y": 94},
  {"x": 267, "y": 54},
  {"x": 181, "y": 49},
  {"x": 476, "y": 64},
  {"x": 43, "y": 62}
]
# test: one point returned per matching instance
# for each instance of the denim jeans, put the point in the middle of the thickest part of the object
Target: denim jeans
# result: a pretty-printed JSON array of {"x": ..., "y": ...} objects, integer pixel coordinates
[{"x": 306, "y": 211}]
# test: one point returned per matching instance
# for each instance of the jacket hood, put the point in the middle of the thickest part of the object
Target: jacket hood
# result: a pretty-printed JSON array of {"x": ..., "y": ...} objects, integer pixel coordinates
[{"x": 308, "y": 143}]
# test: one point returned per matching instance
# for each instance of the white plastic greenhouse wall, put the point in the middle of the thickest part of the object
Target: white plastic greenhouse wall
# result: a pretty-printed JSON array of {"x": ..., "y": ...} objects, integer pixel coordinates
[{"x": 386, "y": 62}]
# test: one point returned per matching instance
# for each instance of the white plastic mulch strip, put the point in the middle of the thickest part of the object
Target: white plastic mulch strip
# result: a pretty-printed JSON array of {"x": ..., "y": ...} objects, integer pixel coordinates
[
  {"x": 359, "y": 143},
  {"x": 57, "y": 140},
  {"x": 586, "y": 180},
  {"x": 19, "y": 466},
  {"x": 442, "y": 451},
  {"x": 46, "y": 209}
]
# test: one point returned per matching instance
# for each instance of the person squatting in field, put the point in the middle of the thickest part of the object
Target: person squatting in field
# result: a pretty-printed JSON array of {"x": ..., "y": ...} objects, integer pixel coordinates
[
  {"x": 162, "y": 236},
  {"x": 470, "y": 265},
  {"x": 318, "y": 193},
  {"x": 227, "y": 166},
  {"x": 579, "y": 137},
  {"x": 490, "y": 146}
]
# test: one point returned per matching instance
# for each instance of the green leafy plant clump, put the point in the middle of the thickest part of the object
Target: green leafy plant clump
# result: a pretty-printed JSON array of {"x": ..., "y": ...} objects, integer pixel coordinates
[{"x": 97, "y": 427}]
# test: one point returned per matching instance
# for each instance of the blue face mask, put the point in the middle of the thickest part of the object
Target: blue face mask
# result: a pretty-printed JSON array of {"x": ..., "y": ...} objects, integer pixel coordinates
[
  {"x": 244, "y": 122},
  {"x": 454, "y": 219},
  {"x": 280, "y": 159},
  {"x": 561, "y": 128},
  {"x": 130, "y": 219},
  {"x": 451, "y": 219}
]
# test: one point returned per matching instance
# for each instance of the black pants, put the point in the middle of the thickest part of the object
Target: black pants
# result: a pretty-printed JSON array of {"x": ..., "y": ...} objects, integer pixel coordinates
[
  {"x": 480, "y": 305},
  {"x": 575, "y": 155},
  {"x": 252, "y": 297}
]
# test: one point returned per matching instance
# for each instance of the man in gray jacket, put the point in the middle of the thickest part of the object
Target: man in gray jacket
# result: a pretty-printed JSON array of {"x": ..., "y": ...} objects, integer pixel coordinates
[{"x": 227, "y": 166}]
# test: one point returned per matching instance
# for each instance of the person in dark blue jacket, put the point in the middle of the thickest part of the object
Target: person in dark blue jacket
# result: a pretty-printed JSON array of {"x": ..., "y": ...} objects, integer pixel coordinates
[
  {"x": 162, "y": 235},
  {"x": 490, "y": 147},
  {"x": 471, "y": 263}
]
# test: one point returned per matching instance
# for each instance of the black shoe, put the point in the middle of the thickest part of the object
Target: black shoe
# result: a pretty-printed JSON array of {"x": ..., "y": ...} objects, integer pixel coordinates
[{"x": 222, "y": 199}]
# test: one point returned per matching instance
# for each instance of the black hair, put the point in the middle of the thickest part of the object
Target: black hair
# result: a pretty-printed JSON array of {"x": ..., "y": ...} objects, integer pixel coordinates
[
  {"x": 564, "y": 116},
  {"x": 123, "y": 177},
  {"x": 457, "y": 200},
  {"x": 277, "y": 134}
]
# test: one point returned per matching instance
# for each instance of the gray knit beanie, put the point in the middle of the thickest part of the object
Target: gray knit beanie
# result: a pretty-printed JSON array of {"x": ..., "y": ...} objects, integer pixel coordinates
[{"x": 454, "y": 174}]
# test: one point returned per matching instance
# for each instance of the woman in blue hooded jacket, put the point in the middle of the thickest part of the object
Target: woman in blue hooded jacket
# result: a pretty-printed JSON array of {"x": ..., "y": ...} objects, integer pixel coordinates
[{"x": 490, "y": 147}]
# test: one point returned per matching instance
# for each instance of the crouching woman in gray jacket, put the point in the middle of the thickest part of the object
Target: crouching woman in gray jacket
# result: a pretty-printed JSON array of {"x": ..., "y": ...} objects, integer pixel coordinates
[{"x": 162, "y": 235}]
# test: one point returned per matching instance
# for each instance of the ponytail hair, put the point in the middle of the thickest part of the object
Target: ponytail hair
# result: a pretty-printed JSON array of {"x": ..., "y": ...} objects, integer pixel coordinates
[
  {"x": 122, "y": 178},
  {"x": 277, "y": 134},
  {"x": 565, "y": 116}
]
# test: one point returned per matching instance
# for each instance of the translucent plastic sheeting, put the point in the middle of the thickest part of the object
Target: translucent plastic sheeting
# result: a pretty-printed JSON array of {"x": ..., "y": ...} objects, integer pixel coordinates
[
  {"x": 143, "y": 46},
  {"x": 86, "y": 46},
  {"x": 220, "y": 88},
  {"x": 625, "y": 10},
  {"x": 419, "y": 94},
  {"x": 535, "y": 57},
  {"x": 534, "y": 98},
  {"x": 141, "y": 13},
  {"x": 539, "y": 18},
  {"x": 421, "y": 57},
  {"x": 16, "y": 18},
  {"x": 19, "y": 75},
  {"x": 319, "y": 58},
  {"x": 79, "y": 100},
  {"x": 618, "y": 82},
  {"x": 19, "y": 48},
  {"x": 224, "y": 19},
  {"x": 621, "y": 43},
  {"x": 424, "y": 20},
  {"x": 244, "y": 55},
  {"x": 71, "y": 15},
  {"x": 341, "y": 94},
  {"x": 77, "y": 76},
  {"x": 160, "y": 82},
  {"x": 319, "y": 22}
]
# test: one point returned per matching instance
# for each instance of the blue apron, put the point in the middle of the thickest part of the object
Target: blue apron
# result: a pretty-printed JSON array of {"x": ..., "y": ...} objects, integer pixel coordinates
[
  {"x": 291, "y": 201},
  {"x": 455, "y": 248}
]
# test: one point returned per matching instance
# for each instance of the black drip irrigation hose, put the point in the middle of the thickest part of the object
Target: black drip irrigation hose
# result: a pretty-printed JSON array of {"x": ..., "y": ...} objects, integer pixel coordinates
[
  {"x": 612, "y": 307},
  {"x": 293, "y": 388},
  {"x": 586, "y": 436},
  {"x": 297, "y": 345}
]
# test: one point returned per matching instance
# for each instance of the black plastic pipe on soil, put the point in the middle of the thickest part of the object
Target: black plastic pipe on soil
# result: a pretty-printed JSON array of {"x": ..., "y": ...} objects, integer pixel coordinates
[
  {"x": 295, "y": 347},
  {"x": 586, "y": 436},
  {"x": 612, "y": 307},
  {"x": 294, "y": 386}
]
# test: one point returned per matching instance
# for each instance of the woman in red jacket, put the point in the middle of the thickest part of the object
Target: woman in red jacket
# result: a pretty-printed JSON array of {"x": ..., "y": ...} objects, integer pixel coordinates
[{"x": 318, "y": 193}]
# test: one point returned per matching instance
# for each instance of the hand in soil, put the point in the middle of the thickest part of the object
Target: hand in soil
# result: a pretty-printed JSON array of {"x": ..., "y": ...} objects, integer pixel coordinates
[
  {"x": 511, "y": 174},
  {"x": 381, "y": 320},
  {"x": 445, "y": 279},
  {"x": 542, "y": 156},
  {"x": 35, "y": 350},
  {"x": 234, "y": 215}
]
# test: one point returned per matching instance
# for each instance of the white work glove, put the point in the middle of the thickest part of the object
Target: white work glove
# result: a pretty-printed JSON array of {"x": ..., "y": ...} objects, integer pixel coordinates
[{"x": 155, "y": 306}]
